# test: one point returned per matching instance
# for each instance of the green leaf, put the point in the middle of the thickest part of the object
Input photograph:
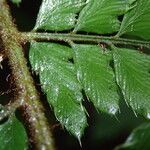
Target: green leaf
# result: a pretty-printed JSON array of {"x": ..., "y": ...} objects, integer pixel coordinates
[
  {"x": 131, "y": 1},
  {"x": 101, "y": 16},
  {"x": 138, "y": 140},
  {"x": 16, "y": 1},
  {"x": 58, "y": 79},
  {"x": 95, "y": 16},
  {"x": 133, "y": 76},
  {"x": 13, "y": 135},
  {"x": 97, "y": 77},
  {"x": 58, "y": 14},
  {"x": 136, "y": 22},
  {"x": 64, "y": 72}
]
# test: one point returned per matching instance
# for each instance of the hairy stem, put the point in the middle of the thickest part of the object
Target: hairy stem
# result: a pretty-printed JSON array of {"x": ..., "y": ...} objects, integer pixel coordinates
[
  {"x": 83, "y": 38},
  {"x": 33, "y": 111}
]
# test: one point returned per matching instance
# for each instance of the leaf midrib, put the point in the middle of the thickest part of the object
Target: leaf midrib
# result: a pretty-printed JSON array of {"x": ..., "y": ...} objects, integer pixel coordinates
[{"x": 67, "y": 37}]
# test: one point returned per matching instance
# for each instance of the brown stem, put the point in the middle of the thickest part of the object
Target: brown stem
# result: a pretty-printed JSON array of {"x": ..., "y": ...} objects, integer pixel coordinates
[{"x": 28, "y": 98}]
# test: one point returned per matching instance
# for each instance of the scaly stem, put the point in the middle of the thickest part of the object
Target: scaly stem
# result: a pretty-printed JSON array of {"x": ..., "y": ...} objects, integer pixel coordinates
[
  {"x": 33, "y": 111},
  {"x": 83, "y": 38}
]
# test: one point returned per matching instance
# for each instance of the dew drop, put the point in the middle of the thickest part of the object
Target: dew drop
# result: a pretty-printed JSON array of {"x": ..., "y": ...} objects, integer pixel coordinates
[
  {"x": 113, "y": 110},
  {"x": 3, "y": 112},
  {"x": 88, "y": 89},
  {"x": 42, "y": 68},
  {"x": 67, "y": 121},
  {"x": 132, "y": 27},
  {"x": 148, "y": 115}
]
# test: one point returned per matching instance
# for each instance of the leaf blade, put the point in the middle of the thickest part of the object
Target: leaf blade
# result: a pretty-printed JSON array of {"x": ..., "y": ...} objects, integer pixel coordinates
[
  {"x": 132, "y": 75},
  {"x": 58, "y": 15},
  {"x": 136, "y": 22},
  {"x": 16, "y": 1},
  {"x": 13, "y": 136},
  {"x": 139, "y": 139},
  {"x": 59, "y": 82},
  {"x": 101, "y": 16},
  {"x": 97, "y": 77}
]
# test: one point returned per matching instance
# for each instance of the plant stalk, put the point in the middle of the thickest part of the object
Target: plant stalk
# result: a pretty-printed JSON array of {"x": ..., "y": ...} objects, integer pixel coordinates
[
  {"x": 32, "y": 109},
  {"x": 28, "y": 36}
]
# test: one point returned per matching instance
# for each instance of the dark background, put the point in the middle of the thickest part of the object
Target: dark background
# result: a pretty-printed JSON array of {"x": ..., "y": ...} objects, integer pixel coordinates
[{"x": 103, "y": 133}]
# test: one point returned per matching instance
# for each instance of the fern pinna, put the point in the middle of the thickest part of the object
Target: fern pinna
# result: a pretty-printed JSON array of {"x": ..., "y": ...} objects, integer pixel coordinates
[{"x": 96, "y": 47}]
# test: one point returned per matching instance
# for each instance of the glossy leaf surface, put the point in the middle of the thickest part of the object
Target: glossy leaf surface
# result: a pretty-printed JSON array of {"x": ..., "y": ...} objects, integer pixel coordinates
[
  {"x": 133, "y": 76},
  {"x": 136, "y": 22},
  {"x": 101, "y": 16},
  {"x": 138, "y": 140},
  {"x": 58, "y": 14},
  {"x": 94, "y": 15},
  {"x": 58, "y": 79},
  {"x": 64, "y": 72},
  {"x": 97, "y": 77},
  {"x": 13, "y": 135}
]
